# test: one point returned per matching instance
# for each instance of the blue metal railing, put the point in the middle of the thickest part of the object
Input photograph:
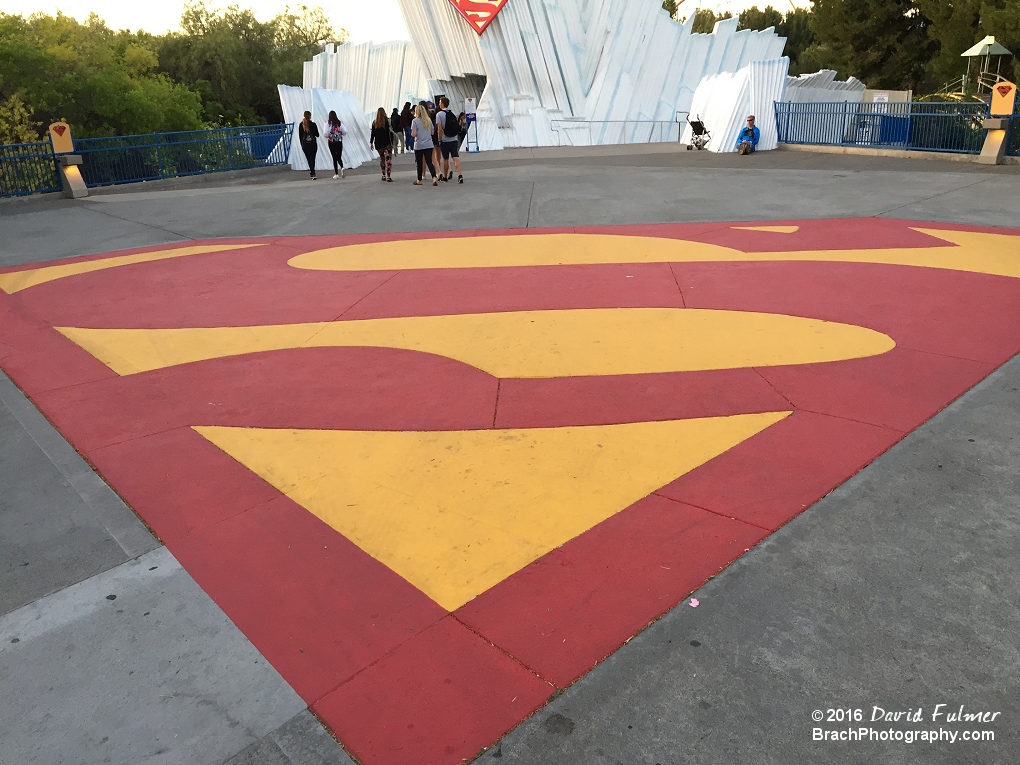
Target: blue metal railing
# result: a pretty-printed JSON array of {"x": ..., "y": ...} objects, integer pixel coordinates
[
  {"x": 1013, "y": 139},
  {"x": 126, "y": 159},
  {"x": 920, "y": 126},
  {"x": 31, "y": 168},
  {"x": 27, "y": 168}
]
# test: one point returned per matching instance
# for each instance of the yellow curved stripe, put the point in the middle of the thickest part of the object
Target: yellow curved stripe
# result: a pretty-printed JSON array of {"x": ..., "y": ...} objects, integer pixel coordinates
[
  {"x": 525, "y": 344},
  {"x": 769, "y": 229},
  {"x": 15, "y": 281},
  {"x": 997, "y": 254},
  {"x": 457, "y": 512}
]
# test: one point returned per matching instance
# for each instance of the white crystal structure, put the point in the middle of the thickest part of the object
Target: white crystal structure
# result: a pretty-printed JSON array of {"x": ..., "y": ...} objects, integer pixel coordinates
[
  {"x": 822, "y": 87},
  {"x": 572, "y": 72},
  {"x": 384, "y": 75},
  {"x": 320, "y": 101},
  {"x": 724, "y": 101}
]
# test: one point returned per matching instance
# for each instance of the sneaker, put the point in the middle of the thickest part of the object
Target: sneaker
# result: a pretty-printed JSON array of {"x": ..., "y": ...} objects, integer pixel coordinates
[
  {"x": 450, "y": 176},
  {"x": 343, "y": 173},
  {"x": 460, "y": 179},
  {"x": 335, "y": 177},
  {"x": 389, "y": 180},
  {"x": 314, "y": 178}
]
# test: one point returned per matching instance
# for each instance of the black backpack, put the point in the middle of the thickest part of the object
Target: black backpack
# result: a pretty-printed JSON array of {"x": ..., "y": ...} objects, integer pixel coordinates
[{"x": 451, "y": 129}]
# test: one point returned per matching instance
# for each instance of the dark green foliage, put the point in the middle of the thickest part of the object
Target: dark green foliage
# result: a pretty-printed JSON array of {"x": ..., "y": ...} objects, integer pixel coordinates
[
  {"x": 102, "y": 82},
  {"x": 235, "y": 62},
  {"x": 795, "y": 26},
  {"x": 885, "y": 43},
  {"x": 221, "y": 69},
  {"x": 705, "y": 20}
]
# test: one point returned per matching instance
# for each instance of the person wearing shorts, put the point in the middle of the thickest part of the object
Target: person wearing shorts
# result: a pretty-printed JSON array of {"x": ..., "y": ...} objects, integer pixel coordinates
[{"x": 449, "y": 145}]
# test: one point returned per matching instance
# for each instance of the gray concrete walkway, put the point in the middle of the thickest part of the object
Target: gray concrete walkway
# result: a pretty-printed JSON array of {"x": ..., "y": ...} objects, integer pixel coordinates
[{"x": 897, "y": 590}]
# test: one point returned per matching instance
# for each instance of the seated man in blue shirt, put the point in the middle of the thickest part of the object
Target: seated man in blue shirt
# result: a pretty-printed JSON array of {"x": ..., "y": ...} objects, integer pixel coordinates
[{"x": 747, "y": 141}]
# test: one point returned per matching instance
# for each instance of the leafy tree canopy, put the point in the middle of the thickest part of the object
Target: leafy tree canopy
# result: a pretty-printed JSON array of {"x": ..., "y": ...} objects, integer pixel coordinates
[
  {"x": 103, "y": 82},
  {"x": 885, "y": 43}
]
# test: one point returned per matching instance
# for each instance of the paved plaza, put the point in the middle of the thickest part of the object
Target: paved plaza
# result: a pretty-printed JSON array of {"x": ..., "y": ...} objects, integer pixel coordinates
[{"x": 611, "y": 455}]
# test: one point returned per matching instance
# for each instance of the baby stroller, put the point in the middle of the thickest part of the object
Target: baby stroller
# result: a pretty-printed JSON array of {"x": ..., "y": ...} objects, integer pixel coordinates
[{"x": 700, "y": 136}]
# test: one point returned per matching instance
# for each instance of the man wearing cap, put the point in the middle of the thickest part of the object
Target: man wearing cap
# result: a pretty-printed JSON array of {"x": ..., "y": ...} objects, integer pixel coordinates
[{"x": 747, "y": 141}]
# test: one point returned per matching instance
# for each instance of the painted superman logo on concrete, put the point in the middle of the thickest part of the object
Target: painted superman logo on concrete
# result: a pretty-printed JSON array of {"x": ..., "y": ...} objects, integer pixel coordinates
[{"x": 436, "y": 477}]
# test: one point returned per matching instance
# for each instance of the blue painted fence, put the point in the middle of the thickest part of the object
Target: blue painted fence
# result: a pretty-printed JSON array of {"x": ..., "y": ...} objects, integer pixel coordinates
[
  {"x": 1013, "y": 145},
  {"x": 27, "y": 168},
  {"x": 31, "y": 168},
  {"x": 918, "y": 126}
]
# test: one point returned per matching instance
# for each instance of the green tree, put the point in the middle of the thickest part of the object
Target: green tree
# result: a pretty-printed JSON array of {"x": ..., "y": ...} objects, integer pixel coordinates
[
  {"x": 102, "y": 82},
  {"x": 1001, "y": 18},
  {"x": 885, "y": 43},
  {"x": 298, "y": 36},
  {"x": 234, "y": 61},
  {"x": 227, "y": 56},
  {"x": 16, "y": 124},
  {"x": 705, "y": 20},
  {"x": 670, "y": 7},
  {"x": 757, "y": 18},
  {"x": 795, "y": 26}
]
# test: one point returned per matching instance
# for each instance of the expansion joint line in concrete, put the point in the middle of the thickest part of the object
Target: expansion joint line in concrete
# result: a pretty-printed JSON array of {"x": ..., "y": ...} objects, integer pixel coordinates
[
  {"x": 495, "y": 409},
  {"x": 713, "y": 512},
  {"x": 933, "y": 196},
  {"x": 368, "y": 294},
  {"x": 773, "y": 387},
  {"x": 683, "y": 301},
  {"x": 93, "y": 208},
  {"x": 531, "y": 199}
]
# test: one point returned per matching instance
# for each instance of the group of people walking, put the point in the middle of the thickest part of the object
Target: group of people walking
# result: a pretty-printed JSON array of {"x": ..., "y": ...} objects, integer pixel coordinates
[{"x": 433, "y": 134}]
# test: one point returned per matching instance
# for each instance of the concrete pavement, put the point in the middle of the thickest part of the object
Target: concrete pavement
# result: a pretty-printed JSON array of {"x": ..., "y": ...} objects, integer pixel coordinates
[{"x": 906, "y": 574}]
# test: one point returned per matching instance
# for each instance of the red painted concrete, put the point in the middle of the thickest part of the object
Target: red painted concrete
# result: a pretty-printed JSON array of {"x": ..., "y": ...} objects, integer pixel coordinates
[
  {"x": 900, "y": 389},
  {"x": 634, "y": 398},
  {"x": 377, "y": 652},
  {"x": 179, "y": 482},
  {"x": 456, "y": 695},
  {"x": 317, "y": 607},
  {"x": 776, "y": 475},
  {"x": 568, "y": 610}
]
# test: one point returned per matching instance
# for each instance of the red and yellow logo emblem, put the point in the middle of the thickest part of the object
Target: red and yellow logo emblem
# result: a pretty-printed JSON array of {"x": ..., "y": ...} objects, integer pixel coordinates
[
  {"x": 434, "y": 480},
  {"x": 479, "y": 13}
]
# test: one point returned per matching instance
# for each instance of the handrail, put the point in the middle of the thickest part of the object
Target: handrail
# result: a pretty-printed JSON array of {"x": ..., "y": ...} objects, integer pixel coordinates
[
  {"x": 31, "y": 168},
  {"x": 920, "y": 126}
]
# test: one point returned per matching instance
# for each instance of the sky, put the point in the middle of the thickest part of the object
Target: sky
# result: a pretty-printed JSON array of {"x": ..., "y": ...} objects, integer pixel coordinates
[{"x": 366, "y": 20}]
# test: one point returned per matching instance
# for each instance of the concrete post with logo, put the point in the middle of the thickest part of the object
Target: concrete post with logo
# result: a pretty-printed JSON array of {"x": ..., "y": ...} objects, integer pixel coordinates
[
  {"x": 997, "y": 125},
  {"x": 67, "y": 161}
]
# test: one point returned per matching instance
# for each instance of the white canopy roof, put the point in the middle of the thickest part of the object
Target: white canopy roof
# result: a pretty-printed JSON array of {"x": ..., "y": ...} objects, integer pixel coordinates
[{"x": 987, "y": 47}]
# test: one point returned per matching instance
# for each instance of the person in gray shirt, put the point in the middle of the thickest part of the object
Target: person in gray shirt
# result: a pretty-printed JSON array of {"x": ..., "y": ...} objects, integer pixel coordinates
[
  {"x": 421, "y": 129},
  {"x": 449, "y": 140}
]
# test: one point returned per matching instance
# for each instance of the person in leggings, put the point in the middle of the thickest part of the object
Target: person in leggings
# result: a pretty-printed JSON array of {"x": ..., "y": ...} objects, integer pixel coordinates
[
  {"x": 421, "y": 129},
  {"x": 381, "y": 141},
  {"x": 335, "y": 133},
  {"x": 308, "y": 136}
]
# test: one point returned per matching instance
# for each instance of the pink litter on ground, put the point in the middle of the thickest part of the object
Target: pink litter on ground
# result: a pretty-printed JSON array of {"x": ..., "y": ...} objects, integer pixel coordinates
[{"x": 695, "y": 602}]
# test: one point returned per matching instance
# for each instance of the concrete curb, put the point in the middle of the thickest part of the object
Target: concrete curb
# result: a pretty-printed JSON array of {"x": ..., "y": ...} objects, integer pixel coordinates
[{"x": 943, "y": 156}]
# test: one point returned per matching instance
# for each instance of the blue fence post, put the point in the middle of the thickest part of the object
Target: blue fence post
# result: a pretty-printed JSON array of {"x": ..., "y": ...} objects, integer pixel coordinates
[{"x": 159, "y": 155}]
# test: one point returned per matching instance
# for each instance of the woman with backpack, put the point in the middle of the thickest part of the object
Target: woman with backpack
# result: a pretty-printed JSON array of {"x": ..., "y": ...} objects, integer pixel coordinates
[
  {"x": 335, "y": 140},
  {"x": 382, "y": 142},
  {"x": 308, "y": 137},
  {"x": 421, "y": 130}
]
